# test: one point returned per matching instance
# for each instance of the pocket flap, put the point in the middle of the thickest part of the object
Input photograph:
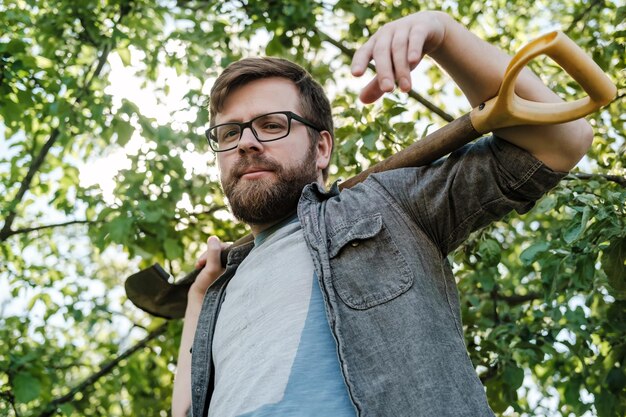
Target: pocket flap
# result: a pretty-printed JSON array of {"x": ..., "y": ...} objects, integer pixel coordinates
[{"x": 362, "y": 228}]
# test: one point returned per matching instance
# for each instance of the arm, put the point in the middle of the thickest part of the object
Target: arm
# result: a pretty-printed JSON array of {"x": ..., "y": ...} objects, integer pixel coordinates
[
  {"x": 212, "y": 269},
  {"x": 477, "y": 67}
]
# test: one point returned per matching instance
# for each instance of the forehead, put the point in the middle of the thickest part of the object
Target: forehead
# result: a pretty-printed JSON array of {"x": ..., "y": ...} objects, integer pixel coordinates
[{"x": 258, "y": 97}]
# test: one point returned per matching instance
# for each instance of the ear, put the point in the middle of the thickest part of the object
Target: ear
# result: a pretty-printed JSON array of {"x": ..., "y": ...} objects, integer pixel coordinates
[{"x": 324, "y": 149}]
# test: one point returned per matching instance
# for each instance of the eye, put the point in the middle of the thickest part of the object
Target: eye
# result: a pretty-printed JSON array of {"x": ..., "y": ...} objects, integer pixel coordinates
[
  {"x": 272, "y": 126},
  {"x": 229, "y": 133}
]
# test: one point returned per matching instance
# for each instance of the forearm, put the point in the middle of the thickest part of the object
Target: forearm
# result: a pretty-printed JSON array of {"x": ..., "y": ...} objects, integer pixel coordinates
[
  {"x": 211, "y": 269},
  {"x": 478, "y": 67},
  {"x": 181, "y": 398}
]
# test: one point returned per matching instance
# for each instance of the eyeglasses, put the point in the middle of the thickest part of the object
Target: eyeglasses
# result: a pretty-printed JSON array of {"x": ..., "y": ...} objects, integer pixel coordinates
[{"x": 265, "y": 128}]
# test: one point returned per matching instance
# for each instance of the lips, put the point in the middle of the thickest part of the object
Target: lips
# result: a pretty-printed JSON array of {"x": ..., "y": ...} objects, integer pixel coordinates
[
  {"x": 255, "y": 169},
  {"x": 255, "y": 174},
  {"x": 257, "y": 164},
  {"x": 251, "y": 171}
]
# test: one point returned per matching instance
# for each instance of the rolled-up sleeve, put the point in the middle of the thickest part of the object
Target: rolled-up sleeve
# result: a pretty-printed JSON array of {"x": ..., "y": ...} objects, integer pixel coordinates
[{"x": 469, "y": 189}]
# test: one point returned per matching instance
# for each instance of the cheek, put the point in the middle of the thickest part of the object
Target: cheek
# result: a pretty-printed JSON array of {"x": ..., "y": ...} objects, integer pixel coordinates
[{"x": 222, "y": 165}]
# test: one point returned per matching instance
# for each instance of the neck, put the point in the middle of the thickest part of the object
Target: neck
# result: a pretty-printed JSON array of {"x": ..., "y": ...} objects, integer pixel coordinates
[{"x": 258, "y": 228}]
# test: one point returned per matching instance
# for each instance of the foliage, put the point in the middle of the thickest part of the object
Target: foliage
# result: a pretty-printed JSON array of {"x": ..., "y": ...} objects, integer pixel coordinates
[{"x": 543, "y": 294}]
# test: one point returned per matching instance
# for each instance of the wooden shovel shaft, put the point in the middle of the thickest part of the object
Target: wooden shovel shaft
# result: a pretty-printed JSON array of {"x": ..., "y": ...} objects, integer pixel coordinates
[{"x": 424, "y": 151}]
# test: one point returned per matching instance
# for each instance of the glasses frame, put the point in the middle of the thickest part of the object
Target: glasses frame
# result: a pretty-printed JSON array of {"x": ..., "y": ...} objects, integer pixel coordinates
[{"x": 243, "y": 125}]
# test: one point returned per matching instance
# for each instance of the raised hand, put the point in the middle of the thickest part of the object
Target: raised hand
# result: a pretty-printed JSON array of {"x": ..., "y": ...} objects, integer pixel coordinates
[{"x": 397, "y": 48}]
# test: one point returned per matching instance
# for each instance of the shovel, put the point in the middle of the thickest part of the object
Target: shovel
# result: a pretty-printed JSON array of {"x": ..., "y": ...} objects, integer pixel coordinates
[{"x": 150, "y": 290}]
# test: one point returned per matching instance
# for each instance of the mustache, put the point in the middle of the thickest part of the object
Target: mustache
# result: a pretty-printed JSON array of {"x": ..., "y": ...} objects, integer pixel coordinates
[{"x": 256, "y": 161}]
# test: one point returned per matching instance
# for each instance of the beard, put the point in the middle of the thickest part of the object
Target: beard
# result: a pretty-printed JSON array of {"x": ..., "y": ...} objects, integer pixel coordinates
[{"x": 268, "y": 200}]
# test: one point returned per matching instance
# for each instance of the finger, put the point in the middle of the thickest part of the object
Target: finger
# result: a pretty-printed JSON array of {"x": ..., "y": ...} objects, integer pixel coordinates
[
  {"x": 399, "y": 48},
  {"x": 415, "y": 47},
  {"x": 213, "y": 250},
  {"x": 211, "y": 247},
  {"x": 209, "y": 265},
  {"x": 371, "y": 92},
  {"x": 213, "y": 267},
  {"x": 362, "y": 57},
  {"x": 384, "y": 64},
  {"x": 201, "y": 261}
]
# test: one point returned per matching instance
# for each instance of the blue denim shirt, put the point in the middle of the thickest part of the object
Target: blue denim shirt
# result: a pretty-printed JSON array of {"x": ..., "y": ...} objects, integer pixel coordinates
[{"x": 380, "y": 251}]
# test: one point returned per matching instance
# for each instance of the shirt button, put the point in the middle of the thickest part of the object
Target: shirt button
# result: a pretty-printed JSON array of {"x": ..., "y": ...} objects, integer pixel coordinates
[{"x": 354, "y": 244}]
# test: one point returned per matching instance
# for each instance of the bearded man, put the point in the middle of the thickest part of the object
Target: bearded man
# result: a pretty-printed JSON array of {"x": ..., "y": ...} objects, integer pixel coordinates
[{"x": 345, "y": 303}]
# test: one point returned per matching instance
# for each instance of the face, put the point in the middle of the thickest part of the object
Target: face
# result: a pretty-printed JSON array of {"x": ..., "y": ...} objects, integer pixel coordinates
[{"x": 263, "y": 180}]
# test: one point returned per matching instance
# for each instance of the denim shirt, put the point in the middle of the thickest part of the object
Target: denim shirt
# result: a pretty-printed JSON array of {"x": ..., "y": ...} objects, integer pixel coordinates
[{"x": 380, "y": 252}]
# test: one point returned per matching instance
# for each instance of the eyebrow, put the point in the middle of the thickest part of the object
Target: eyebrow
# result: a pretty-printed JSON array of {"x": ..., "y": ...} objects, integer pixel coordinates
[{"x": 262, "y": 113}]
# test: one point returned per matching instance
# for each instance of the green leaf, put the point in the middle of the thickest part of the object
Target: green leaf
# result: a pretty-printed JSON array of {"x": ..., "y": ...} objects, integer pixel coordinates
[
  {"x": 26, "y": 387},
  {"x": 529, "y": 255},
  {"x": 513, "y": 376},
  {"x": 547, "y": 203},
  {"x": 370, "y": 136},
  {"x": 273, "y": 47},
  {"x": 153, "y": 215},
  {"x": 124, "y": 54},
  {"x": 620, "y": 15},
  {"x": 173, "y": 249},
  {"x": 614, "y": 265},
  {"x": 574, "y": 232},
  {"x": 616, "y": 380},
  {"x": 361, "y": 12},
  {"x": 487, "y": 282},
  {"x": 490, "y": 250},
  {"x": 67, "y": 409},
  {"x": 124, "y": 131},
  {"x": 605, "y": 404},
  {"x": 119, "y": 228},
  {"x": 572, "y": 392}
]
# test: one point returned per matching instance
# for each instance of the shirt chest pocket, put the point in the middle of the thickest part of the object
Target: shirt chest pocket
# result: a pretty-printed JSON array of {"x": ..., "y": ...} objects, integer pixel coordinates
[{"x": 367, "y": 267}]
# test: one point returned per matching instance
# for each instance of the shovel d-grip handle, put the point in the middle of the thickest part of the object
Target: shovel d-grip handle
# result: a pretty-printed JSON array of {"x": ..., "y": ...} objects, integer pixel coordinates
[
  {"x": 508, "y": 109},
  {"x": 150, "y": 289}
]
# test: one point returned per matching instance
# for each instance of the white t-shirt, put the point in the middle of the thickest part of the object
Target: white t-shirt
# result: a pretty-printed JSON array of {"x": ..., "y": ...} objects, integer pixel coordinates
[{"x": 273, "y": 350}]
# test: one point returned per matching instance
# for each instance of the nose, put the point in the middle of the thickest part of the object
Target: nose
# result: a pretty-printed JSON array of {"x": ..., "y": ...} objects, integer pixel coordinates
[{"x": 248, "y": 142}]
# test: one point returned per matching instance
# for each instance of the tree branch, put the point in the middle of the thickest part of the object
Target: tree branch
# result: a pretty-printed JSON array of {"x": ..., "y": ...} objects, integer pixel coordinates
[
  {"x": 10, "y": 398},
  {"x": 49, "y": 226},
  {"x": 412, "y": 93},
  {"x": 585, "y": 176},
  {"x": 495, "y": 297},
  {"x": 514, "y": 299},
  {"x": 196, "y": 215},
  {"x": 25, "y": 184},
  {"x": 582, "y": 14},
  {"x": 38, "y": 161},
  {"x": 51, "y": 409},
  {"x": 71, "y": 222}
]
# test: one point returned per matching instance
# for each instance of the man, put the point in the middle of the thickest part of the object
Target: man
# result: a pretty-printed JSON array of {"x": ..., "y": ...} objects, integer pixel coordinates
[{"x": 350, "y": 306}]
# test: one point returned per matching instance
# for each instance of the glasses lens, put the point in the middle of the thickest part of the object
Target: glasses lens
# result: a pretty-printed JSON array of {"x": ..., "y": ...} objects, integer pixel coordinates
[
  {"x": 225, "y": 136},
  {"x": 271, "y": 126}
]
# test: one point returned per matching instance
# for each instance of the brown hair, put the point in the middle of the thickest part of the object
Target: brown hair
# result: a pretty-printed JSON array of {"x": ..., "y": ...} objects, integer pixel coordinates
[{"x": 314, "y": 104}]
